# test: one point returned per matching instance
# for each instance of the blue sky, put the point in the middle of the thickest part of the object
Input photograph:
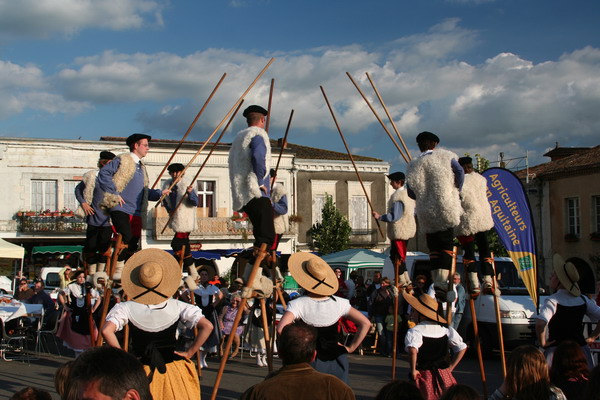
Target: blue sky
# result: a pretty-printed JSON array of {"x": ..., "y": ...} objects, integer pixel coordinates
[{"x": 487, "y": 76}]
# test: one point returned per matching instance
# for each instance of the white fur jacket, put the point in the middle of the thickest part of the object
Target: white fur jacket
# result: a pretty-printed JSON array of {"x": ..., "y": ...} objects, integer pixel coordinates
[
  {"x": 244, "y": 185},
  {"x": 185, "y": 216},
  {"x": 89, "y": 180},
  {"x": 405, "y": 227},
  {"x": 281, "y": 220},
  {"x": 477, "y": 215},
  {"x": 437, "y": 198}
]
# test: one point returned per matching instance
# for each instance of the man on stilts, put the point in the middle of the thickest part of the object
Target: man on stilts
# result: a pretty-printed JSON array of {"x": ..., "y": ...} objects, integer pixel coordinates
[
  {"x": 123, "y": 192},
  {"x": 435, "y": 179},
  {"x": 184, "y": 220},
  {"x": 474, "y": 225},
  {"x": 401, "y": 226},
  {"x": 99, "y": 229}
]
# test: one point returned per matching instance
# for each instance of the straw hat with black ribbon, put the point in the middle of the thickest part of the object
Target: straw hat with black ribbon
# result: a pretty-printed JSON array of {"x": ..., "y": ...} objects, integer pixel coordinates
[
  {"x": 313, "y": 274},
  {"x": 425, "y": 305},
  {"x": 567, "y": 275},
  {"x": 151, "y": 276}
]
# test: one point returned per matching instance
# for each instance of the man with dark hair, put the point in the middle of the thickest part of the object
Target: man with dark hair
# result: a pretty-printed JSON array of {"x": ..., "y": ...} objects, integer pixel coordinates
[
  {"x": 122, "y": 190},
  {"x": 99, "y": 230},
  {"x": 43, "y": 298},
  {"x": 109, "y": 372},
  {"x": 297, "y": 348}
]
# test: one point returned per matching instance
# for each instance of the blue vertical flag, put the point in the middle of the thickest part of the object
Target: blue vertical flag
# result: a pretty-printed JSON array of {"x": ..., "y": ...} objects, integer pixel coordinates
[{"x": 514, "y": 224}]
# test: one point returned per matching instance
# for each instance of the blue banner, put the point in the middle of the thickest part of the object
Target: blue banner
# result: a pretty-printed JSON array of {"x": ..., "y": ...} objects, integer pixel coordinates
[{"x": 514, "y": 224}]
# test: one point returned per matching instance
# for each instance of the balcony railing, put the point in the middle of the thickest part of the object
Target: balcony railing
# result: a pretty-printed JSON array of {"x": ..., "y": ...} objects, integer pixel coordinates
[
  {"x": 51, "y": 224},
  {"x": 206, "y": 227}
]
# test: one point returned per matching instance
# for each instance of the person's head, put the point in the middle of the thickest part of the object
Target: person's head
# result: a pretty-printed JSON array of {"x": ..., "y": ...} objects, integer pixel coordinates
[
  {"x": 61, "y": 378},
  {"x": 467, "y": 164},
  {"x": 30, "y": 393},
  {"x": 38, "y": 285},
  {"x": 175, "y": 170},
  {"x": 568, "y": 362},
  {"x": 110, "y": 372},
  {"x": 338, "y": 273},
  {"x": 78, "y": 276},
  {"x": 203, "y": 276},
  {"x": 460, "y": 392},
  {"x": 236, "y": 299},
  {"x": 396, "y": 180},
  {"x": 385, "y": 281},
  {"x": 427, "y": 141},
  {"x": 255, "y": 116},
  {"x": 138, "y": 144},
  {"x": 564, "y": 276},
  {"x": 298, "y": 343},
  {"x": 360, "y": 280},
  {"x": 105, "y": 158},
  {"x": 399, "y": 390},
  {"x": 527, "y": 373},
  {"x": 67, "y": 271},
  {"x": 23, "y": 284},
  {"x": 456, "y": 278},
  {"x": 420, "y": 280},
  {"x": 377, "y": 277},
  {"x": 353, "y": 276},
  {"x": 313, "y": 274}
]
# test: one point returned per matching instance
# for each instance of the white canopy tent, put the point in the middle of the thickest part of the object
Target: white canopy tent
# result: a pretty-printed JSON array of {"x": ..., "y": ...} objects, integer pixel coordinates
[{"x": 9, "y": 250}]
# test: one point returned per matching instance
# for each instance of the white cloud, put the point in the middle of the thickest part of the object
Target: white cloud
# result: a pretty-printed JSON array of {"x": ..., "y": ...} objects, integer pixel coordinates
[{"x": 45, "y": 18}]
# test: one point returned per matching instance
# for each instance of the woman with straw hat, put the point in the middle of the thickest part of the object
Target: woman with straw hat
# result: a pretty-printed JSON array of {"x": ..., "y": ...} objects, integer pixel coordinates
[
  {"x": 321, "y": 309},
  {"x": 149, "y": 279},
  {"x": 428, "y": 344},
  {"x": 561, "y": 316}
]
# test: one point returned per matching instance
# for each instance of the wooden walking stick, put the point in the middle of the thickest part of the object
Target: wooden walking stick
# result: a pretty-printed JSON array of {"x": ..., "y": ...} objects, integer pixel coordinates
[
  {"x": 91, "y": 324},
  {"x": 269, "y": 105},
  {"x": 212, "y": 149},
  {"x": 176, "y": 181},
  {"x": 262, "y": 253},
  {"x": 126, "y": 331},
  {"x": 389, "y": 116},
  {"x": 396, "y": 307},
  {"x": 451, "y": 285},
  {"x": 287, "y": 129},
  {"x": 351, "y": 159},
  {"x": 265, "y": 325},
  {"x": 198, "y": 361},
  {"x": 188, "y": 131},
  {"x": 498, "y": 318},
  {"x": 377, "y": 116},
  {"x": 476, "y": 340}
]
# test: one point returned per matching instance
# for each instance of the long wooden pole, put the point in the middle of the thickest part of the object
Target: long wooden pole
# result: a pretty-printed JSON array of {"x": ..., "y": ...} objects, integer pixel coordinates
[
  {"x": 175, "y": 181},
  {"x": 498, "y": 318},
  {"x": 396, "y": 307},
  {"x": 477, "y": 341},
  {"x": 451, "y": 285},
  {"x": 110, "y": 266},
  {"x": 351, "y": 158},
  {"x": 377, "y": 116},
  {"x": 389, "y": 116},
  {"x": 287, "y": 129},
  {"x": 212, "y": 149},
  {"x": 189, "y": 130},
  {"x": 269, "y": 110}
]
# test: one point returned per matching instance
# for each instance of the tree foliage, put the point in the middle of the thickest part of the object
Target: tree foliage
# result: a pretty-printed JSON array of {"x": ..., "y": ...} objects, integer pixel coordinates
[{"x": 332, "y": 234}]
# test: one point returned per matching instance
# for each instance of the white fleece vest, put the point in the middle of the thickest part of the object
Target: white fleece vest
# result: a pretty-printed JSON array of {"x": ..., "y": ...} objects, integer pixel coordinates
[
  {"x": 477, "y": 215},
  {"x": 280, "y": 221},
  {"x": 89, "y": 180},
  {"x": 406, "y": 227},
  {"x": 185, "y": 216},
  {"x": 437, "y": 199},
  {"x": 244, "y": 186}
]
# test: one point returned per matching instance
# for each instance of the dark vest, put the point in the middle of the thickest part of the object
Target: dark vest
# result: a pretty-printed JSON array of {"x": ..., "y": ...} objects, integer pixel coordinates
[
  {"x": 433, "y": 354},
  {"x": 328, "y": 347},
  {"x": 154, "y": 349},
  {"x": 566, "y": 324}
]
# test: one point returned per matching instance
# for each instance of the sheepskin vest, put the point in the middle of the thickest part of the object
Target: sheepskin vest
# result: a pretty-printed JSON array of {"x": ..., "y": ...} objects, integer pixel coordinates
[
  {"x": 437, "y": 199},
  {"x": 405, "y": 227},
  {"x": 185, "y": 216},
  {"x": 280, "y": 221},
  {"x": 244, "y": 185},
  {"x": 121, "y": 179},
  {"x": 89, "y": 181},
  {"x": 477, "y": 215}
]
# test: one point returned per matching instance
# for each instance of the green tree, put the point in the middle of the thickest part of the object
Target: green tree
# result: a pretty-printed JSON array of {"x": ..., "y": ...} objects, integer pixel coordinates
[{"x": 332, "y": 234}]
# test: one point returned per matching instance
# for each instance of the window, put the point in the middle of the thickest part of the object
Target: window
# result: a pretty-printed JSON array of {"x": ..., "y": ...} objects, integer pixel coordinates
[
  {"x": 320, "y": 191},
  {"x": 69, "y": 200},
  {"x": 43, "y": 195},
  {"x": 206, "y": 197},
  {"x": 595, "y": 213},
  {"x": 359, "y": 214},
  {"x": 572, "y": 216}
]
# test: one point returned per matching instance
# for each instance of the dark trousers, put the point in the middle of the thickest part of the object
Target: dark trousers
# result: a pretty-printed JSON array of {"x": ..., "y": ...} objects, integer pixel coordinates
[
  {"x": 260, "y": 212},
  {"x": 440, "y": 247},
  {"x": 180, "y": 240},
  {"x": 468, "y": 244},
  {"x": 130, "y": 234},
  {"x": 97, "y": 241}
]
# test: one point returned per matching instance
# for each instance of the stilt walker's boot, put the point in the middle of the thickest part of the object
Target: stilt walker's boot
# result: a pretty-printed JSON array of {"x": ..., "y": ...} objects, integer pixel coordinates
[
  {"x": 118, "y": 270},
  {"x": 440, "y": 285},
  {"x": 101, "y": 267},
  {"x": 404, "y": 281},
  {"x": 488, "y": 286},
  {"x": 193, "y": 272},
  {"x": 91, "y": 271},
  {"x": 474, "y": 284}
]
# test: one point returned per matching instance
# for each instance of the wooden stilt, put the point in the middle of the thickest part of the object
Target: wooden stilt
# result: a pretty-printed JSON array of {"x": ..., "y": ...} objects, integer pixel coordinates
[
  {"x": 198, "y": 361},
  {"x": 110, "y": 266},
  {"x": 451, "y": 286},
  {"x": 396, "y": 308},
  {"x": 498, "y": 318}
]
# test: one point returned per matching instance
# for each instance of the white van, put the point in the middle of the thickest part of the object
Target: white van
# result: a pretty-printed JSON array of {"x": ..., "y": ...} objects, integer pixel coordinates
[{"x": 51, "y": 278}]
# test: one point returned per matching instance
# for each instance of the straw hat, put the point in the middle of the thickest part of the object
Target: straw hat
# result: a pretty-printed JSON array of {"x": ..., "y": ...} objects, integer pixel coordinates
[
  {"x": 313, "y": 274},
  {"x": 425, "y": 305},
  {"x": 151, "y": 276},
  {"x": 567, "y": 274}
]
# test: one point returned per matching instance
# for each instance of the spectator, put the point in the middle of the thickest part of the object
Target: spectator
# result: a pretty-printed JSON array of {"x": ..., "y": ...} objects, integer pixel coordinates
[
  {"x": 30, "y": 393},
  {"x": 61, "y": 379},
  {"x": 460, "y": 301},
  {"x": 399, "y": 390},
  {"x": 381, "y": 300},
  {"x": 342, "y": 289},
  {"x": 256, "y": 331},
  {"x": 41, "y": 297},
  {"x": 360, "y": 300},
  {"x": 460, "y": 392},
  {"x": 376, "y": 284},
  {"x": 570, "y": 371},
  {"x": 297, "y": 348},
  {"x": 109, "y": 372},
  {"x": 419, "y": 289},
  {"x": 23, "y": 292},
  {"x": 527, "y": 377},
  {"x": 351, "y": 284},
  {"x": 226, "y": 319},
  {"x": 592, "y": 391}
]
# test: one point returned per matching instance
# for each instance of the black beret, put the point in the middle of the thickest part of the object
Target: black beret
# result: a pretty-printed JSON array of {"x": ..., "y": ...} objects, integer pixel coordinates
[
  {"x": 135, "y": 138},
  {"x": 107, "y": 155},
  {"x": 175, "y": 167},
  {"x": 396, "y": 176},
  {"x": 255, "y": 109},
  {"x": 424, "y": 136},
  {"x": 465, "y": 160}
]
